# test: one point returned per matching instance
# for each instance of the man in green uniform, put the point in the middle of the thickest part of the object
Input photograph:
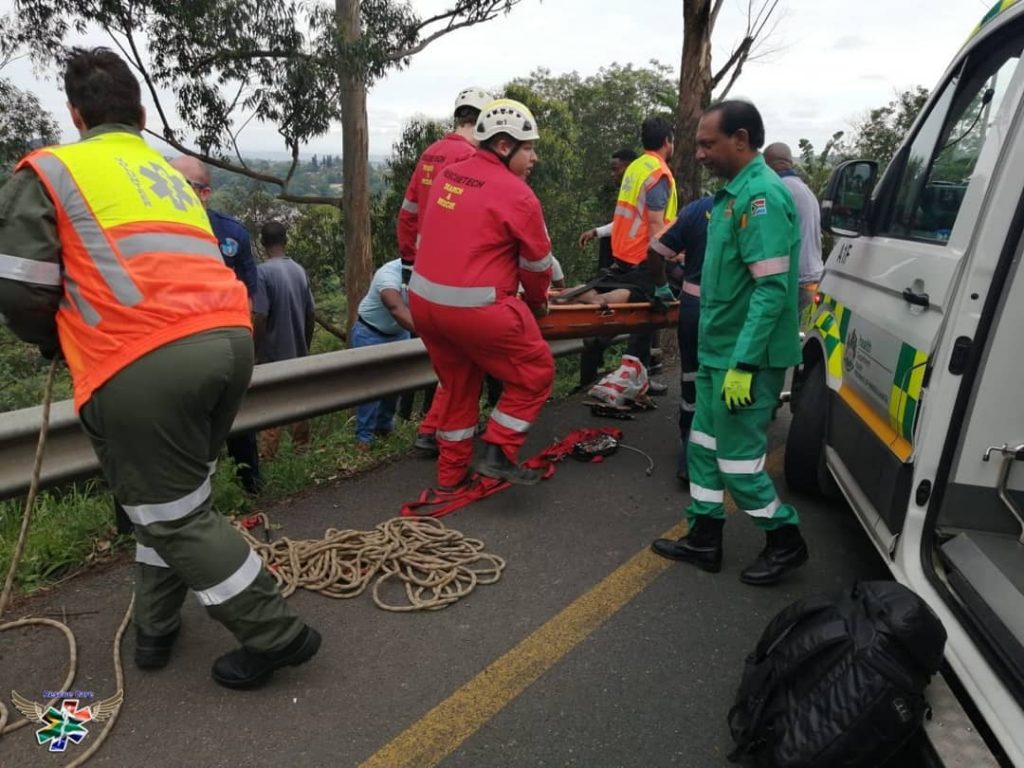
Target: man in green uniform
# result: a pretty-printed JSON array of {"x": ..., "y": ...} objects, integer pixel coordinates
[{"x": 748, "y": 338}]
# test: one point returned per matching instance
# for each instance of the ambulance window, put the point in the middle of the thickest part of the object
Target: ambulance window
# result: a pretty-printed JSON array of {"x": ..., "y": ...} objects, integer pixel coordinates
[{"x": 941, "y": 159}]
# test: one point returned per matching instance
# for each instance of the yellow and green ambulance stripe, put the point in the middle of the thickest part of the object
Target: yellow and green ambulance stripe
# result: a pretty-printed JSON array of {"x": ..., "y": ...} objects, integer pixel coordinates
[
  {"x": 906, "y": 390},
  {"x": 994, "y": 11},
  {"x": 832, "y": 323}
]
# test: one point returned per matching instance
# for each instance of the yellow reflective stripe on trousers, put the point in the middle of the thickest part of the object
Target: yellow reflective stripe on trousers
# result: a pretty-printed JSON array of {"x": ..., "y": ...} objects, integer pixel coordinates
[
  {"x": 149, "y": 556},
  {"x": 89, "y": 231},
  {"x": 29, "y": 270},
  {"x": 147, "y": 514},
  {"x": 234, "y": 584},
  {"x": 511, "y": 422},
  {"x": 741, "y": 466}
]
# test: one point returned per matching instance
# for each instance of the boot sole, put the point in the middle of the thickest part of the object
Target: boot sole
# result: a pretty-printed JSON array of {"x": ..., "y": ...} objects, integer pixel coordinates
[
  {"x": 775, "y": 580},
  {"x": 497, "y": 474},
  {"x": 708, "y": 567},
  {"x": 300, "y": 656}
]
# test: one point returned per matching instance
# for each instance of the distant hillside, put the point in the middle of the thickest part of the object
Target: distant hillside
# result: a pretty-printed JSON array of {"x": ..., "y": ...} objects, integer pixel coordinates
[{"x": 317, "y": 175}]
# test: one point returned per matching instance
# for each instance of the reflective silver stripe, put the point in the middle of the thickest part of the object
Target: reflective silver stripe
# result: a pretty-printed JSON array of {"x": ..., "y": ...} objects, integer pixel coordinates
[
  {"x": 212, "y": 466},
  {"x": 135, "y": 245},
  {"x": 741, "y": 466},
  {"x": 634, "y": 228},
  {"x": 689, "y": 375},
  {"x": 624, "y": 212},
  {"x": 691, "y": 289},
  {"x": 777, "y": 266},
  {"x": 688, "y": 407},
  {"x": 456, "y": 435},
  {"x": 410, "y": 206},
  {"x": 234, "y": 584},
  {"x": 85, "y": 309},
  {"x": 450, "y": 295},
  {"x": 88, "y": 230},
  {"x": 658, "y": 247},
  {"x": 28, "y": 270},
  {"x": 511, "y": 422},
  {"x": 148, "y": 556},
  {"x": 704, "y": 440},
  {"x": 768, "y": 511},
  {"x": 700, "y": 493},
  {"x": 536, "y": 266},
  {"x": 147, "y": 514}
]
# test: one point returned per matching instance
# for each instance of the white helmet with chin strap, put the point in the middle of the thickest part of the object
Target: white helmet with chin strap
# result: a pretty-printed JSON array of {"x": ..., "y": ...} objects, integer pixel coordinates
[
  {"x": 476, "y": 98},
  {"x": 506, "y": 116}
]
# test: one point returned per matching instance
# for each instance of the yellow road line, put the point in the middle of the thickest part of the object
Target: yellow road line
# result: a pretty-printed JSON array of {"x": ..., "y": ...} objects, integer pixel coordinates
[{"x": 440, "y": 731}]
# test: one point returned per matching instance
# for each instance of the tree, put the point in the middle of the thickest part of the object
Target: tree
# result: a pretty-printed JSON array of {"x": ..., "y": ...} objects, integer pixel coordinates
[
  {"x": 24, "y": 123},
  {"x": 881, "y": 131},
  {"x": 293, "y": 64},
  {"x": 697, "y": 81},
  {"x": 817, "y": 166}
]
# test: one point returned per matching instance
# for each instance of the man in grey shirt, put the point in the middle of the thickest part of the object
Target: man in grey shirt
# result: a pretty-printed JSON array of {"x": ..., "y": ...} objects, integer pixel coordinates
[
  {"x": 282, "y": 317},
  {"x": 779, "y": 158}
]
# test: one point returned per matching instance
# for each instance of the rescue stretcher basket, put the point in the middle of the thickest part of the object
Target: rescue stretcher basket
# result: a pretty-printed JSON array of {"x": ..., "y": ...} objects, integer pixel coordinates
[{"x": 578, "y": 321}]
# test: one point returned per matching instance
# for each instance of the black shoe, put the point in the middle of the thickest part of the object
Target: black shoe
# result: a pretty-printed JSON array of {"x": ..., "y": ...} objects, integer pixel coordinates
[
  {"x": 656, "y": 388},
  {"x": 495, "y": 464},
  {"x": 242, "y": 668},
  {"x": 154, "y": 651},
  {"x": 784, "y": 551},
  {"x": 425, "y": 446},
  {"x": 702, "y": 546}
]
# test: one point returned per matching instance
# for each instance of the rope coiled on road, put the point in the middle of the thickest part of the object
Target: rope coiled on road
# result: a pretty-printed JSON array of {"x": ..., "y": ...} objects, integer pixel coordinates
[{"x": 435, "y": 566}]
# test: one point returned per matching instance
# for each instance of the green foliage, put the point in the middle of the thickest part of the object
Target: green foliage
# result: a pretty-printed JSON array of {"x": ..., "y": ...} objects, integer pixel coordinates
[
  {"x": 816, "y": 167},
  {"x": 879, "y": 134}
]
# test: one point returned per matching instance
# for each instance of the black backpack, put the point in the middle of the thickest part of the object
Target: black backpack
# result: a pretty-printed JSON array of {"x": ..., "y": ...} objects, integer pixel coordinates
[{"x": 837, "y": 682}]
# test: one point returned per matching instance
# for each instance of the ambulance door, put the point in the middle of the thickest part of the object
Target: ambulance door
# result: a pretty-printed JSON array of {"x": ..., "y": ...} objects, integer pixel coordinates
[{"x": 889, "y": 289}]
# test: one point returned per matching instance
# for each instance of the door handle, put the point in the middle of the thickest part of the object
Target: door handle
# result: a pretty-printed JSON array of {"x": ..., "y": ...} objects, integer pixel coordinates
[{"x": 917, "y": 299}]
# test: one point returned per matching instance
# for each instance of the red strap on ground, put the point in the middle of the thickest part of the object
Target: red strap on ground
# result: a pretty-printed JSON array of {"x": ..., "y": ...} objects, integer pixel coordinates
[{"x": 435, "y": 503}]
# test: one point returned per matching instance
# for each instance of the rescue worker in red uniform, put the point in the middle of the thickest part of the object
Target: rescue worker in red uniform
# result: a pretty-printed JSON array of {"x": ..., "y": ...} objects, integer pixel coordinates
[
  {"x": 482, "y": 234},
  {"x": 454, "y": 147}
]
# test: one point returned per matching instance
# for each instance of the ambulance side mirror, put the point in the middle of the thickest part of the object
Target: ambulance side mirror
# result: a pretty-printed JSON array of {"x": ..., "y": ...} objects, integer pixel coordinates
[{"x": 847, "y": 200}]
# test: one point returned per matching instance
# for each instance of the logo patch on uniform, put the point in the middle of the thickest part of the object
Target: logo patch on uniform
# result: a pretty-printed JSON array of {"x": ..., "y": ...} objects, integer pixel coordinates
[
  {"x": 758, "y": 207},
  {"x": 229, "y": 247}
]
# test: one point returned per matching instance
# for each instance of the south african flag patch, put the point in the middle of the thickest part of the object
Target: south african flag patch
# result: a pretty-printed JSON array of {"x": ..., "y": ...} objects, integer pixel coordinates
[{"x": 758, "y": 207}]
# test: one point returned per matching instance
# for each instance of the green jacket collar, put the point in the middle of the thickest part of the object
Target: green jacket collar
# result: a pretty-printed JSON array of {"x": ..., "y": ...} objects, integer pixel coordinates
[{"x": 753, "y": 168}]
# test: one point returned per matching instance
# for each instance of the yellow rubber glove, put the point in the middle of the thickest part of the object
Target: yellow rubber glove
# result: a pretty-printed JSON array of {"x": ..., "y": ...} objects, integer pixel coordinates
[{"x": 736, "y": 388}]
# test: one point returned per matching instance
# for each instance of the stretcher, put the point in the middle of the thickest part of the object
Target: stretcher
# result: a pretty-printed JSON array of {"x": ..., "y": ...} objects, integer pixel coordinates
[{"x": 578, "y": 321}]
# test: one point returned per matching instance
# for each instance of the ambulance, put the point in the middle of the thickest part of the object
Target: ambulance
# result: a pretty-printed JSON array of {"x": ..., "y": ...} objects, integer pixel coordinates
[{"x": 910, "y": 398}]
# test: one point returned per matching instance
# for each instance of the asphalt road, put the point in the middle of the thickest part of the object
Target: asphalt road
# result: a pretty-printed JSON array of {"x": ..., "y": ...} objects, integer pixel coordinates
[{"x": 588, "y": 652}]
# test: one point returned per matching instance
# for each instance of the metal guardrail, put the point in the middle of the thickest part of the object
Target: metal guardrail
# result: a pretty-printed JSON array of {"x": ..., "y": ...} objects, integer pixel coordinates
[{"x": 278, "y": 394}]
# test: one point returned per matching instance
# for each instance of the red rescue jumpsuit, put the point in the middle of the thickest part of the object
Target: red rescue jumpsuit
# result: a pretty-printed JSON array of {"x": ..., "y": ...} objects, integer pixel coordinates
[
  {"x": 452, "y": 148},
  {"x": 481, "y": 235}
]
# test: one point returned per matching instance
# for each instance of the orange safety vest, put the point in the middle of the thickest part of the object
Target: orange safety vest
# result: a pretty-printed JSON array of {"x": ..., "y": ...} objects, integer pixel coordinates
[
  {"x": 139, "y": 263},
  {"x": 630, "y": 235}
]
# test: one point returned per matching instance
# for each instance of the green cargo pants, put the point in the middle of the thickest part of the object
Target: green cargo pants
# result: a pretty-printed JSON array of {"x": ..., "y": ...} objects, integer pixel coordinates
[
  {"x": 158, "y": 427},
  {"x": 727, "y": 451}
]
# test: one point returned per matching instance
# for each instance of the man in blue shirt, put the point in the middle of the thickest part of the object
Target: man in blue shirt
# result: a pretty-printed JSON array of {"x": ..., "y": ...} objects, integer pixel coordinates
[
  {"x": 688, "y": 236},
  {"x": 383, "y": 317},
  {"x": 236, "y": 248}
]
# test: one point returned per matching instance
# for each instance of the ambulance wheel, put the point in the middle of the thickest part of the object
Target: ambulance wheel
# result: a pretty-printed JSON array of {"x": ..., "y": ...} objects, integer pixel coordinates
[{"x": 804, "y": 464}]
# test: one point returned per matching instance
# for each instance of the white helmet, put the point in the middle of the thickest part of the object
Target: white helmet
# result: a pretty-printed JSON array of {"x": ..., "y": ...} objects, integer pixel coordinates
[
  {"x": 477, "y": 98},
  {"x": 506, "y": 116}
]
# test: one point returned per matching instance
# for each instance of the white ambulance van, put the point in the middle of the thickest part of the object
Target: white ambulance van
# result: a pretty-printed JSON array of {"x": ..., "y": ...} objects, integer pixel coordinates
[{"x": 910, "y": 398}]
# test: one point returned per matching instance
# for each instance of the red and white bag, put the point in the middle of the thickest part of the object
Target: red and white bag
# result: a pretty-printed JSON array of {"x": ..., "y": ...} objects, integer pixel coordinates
[{"x": 623, "y": 385}]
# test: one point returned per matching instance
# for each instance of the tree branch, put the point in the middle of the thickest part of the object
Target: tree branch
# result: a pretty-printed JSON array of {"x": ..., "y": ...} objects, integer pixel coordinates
[
  {"x": 714, "y": 16},
  {"x": 412, "y": 51},
  {"x": 735, "y": 59}
]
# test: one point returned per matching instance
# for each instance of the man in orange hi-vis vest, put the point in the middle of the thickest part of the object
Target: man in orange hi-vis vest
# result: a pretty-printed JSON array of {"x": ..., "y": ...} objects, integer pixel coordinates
[{"x": 107, "y": 257}]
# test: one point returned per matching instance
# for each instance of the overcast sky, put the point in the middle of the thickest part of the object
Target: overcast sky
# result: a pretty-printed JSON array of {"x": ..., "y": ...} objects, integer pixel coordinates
[{"x": 837, "y": 59}]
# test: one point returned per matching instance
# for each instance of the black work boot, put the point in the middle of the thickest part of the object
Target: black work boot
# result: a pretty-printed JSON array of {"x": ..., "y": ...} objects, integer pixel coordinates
[
  {"x": 242, "y": 668},
  {"x": 154, "y": 651},
  {"x": 425, "y": 446},
  {"x": 495, "y": 464},
  {"x": 702, "y": 546},
  {"x": 785, "y": 550}
]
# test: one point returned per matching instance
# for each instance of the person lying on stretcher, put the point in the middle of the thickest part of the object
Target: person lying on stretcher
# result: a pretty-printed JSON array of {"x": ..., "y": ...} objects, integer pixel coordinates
[{"x": 621, "y": 285}]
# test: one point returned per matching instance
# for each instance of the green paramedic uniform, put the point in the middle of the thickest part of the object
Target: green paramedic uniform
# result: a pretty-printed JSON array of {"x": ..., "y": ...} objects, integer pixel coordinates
[{"x": 748, "y": 322}]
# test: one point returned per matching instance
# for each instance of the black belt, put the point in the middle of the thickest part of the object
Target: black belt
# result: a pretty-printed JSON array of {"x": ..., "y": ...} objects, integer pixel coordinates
[{"x": 375, "y": 329}]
